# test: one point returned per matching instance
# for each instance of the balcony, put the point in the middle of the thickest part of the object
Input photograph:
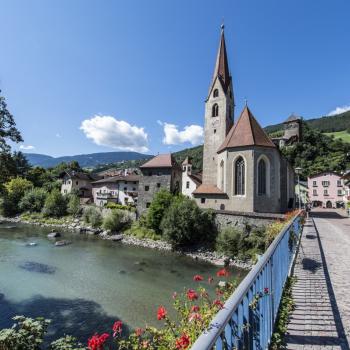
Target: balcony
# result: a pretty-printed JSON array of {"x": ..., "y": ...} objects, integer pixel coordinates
[{"x": 106, "y": 196}]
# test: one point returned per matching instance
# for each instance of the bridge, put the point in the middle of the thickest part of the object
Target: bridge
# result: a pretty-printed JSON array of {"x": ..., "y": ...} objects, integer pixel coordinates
[{"x": 318, "y": 255}]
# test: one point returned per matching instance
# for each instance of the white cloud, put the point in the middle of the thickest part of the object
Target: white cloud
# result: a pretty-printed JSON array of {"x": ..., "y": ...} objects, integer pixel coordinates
[
  {"x": 173, "y": 136},
  {"x": 339, "y": 110},
  {"x": 26, "y": 148},
  {"x": 118, "y": 134},
  {"x": 159, "y": 122}
]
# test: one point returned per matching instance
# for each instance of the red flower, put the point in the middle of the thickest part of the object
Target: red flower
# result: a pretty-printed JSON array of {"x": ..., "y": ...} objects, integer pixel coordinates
[
  {"x": 117, "y": 327},
  {"x": 195, "y": 308},
  {"x": 219, "y": 292},
  {"x": 197, "y": 278},
  {"x": 139, "y": 332},
  {"x": 266, "y": 290},
  {"x": 183, "y": 342},
  {"x": 96, "y": 341},
  {"x": 222, "y": 273},
  {"x": 174, "y": 295},
  {"x": 161, "y": 313},
  {"x": 194, "y": 317},
  {"x": 219, "y": 303},
  {"x": 192, "y": 295},
  {"x": 210, "y": 280}
]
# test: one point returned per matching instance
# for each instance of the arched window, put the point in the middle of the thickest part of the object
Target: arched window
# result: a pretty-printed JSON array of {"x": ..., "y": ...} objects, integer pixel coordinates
[
  {"x": 239, "y": 177},
  {"x": 215, "y": 110},
  {"x": 222, "y": 174},
  {"x": 216, "y": 93},
  {"x": 262, "y": 177}
]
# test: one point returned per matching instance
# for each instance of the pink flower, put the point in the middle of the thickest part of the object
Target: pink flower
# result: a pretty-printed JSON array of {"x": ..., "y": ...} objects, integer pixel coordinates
[
  {"x": 197, "y": 278},
  {"x": 161, "y": 314},
  {"x": 96, "y": 341},
  {"x": 194, "y": 317},
  {"x": 192, "y": 295},
  {"x": 183, "y": 342},
  {"x": 210, "y": 280},
  {"x": 223, "y": 273},
  {"x": 117, "y": 328},
  {"x": 266, "y": 290},
  {"x": 195, "y": 308},
  {"x": 219, "y": 303},
  {"x": 139, "y": 332},
  {"x": 174, "y": 295}
]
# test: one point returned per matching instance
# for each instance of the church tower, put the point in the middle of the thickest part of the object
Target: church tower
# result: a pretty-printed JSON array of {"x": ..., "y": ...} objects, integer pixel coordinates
[{"x": 219, "y": 113}]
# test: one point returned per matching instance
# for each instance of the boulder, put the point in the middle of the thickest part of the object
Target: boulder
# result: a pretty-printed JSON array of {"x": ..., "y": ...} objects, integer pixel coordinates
[
  {"x": 62, "y": 243},
  {"x": 54, "y": 235}
]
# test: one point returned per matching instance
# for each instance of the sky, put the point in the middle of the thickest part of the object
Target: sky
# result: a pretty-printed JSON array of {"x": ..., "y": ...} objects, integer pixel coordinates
[{"x": 89, "y": 76}]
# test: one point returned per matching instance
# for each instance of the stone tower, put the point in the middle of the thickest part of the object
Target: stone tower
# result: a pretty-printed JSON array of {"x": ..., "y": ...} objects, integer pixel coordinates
[{"x": 219, "y": 113}]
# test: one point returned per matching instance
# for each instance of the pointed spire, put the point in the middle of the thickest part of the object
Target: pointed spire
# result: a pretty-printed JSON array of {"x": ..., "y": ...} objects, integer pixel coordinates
[{"x": 221, "y": 67}]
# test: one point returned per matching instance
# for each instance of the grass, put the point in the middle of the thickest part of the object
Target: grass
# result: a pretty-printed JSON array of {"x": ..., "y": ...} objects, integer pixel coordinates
[
  {"x": 344, "y": 135},
  {"x": 39, "y": 218}
]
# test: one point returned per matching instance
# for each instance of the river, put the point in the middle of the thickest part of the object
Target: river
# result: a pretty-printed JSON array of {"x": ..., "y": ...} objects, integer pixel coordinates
[{"x": 87, "y": 285}]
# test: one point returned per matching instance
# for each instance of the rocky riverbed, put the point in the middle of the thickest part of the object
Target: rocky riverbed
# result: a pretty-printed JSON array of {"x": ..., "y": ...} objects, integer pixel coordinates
[{"x": 77, "y": 226}]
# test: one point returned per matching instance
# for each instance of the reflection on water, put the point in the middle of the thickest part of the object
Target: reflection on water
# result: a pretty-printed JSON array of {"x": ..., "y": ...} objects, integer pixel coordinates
[{"x": 87, "y": 285}]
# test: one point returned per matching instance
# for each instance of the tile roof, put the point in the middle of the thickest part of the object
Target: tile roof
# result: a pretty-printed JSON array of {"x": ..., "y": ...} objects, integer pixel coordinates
[
  {"x": 292, "y": 118},
  {"x": 160, "y": 161},
  {"x": 188, "y": 160},
  {"x": 197, "y": 178},
  {"x": 246, "y": 132},
  {"x": 112, "y": 179},
  {"x": 208, "y": 189}
]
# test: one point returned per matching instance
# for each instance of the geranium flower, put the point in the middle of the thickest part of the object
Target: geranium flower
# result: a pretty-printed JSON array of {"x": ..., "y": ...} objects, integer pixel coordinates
[
  {"x": 183, "y": 342},
  {"x": 210, "y": 280},
  {"x": 195, "y": 308},
  {"x": 174, "y": 295},
  {"x": 223, "y": 273},
  {"x": 194, "y": 317},
  {"x": 219, "y": 303},
  {"x": 161, "y": 313},
  {"x": 117, "y": 328},
  {"x": 197, "y": 278},
  {"x": 96, "y": 341},
  {"x": 139, "y": 332},
  {"x": 192, "y": 295},
  {"x": 266, "y": 290}
]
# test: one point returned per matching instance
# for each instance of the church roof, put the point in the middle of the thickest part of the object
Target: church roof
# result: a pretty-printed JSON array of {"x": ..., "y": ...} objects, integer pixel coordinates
[
  {"x": 292, "y": 118},
  {"x": 160, "y": 161},
  {"x": 246, "y": 132},
  {"x": 221, "y": 70},
  {"x": 187, "y": 161},
  {"x": 208, "y": 189}
]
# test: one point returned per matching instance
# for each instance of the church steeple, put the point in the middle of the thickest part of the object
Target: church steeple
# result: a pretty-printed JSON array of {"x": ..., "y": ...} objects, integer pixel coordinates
[{"x": 221, "y": 70}]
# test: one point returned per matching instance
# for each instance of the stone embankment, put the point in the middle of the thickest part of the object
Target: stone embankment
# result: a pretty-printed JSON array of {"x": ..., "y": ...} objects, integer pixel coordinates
[{"x": 77, "y": 226}]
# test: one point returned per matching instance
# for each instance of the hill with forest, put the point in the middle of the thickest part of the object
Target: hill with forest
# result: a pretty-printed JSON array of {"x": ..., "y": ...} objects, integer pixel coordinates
[{"x": 86, "y": 160}]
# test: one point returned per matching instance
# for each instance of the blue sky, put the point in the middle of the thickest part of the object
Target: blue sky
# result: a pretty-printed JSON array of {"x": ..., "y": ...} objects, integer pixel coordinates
[{"x": 93, "y": 76}]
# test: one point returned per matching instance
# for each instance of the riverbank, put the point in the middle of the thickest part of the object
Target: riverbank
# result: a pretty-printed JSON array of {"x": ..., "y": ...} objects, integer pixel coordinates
[{"x": 78, "y": 226}]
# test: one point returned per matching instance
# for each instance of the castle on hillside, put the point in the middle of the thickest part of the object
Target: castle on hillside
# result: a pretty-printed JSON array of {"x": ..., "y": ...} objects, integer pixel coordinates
[{"x": 243, "y": 170}]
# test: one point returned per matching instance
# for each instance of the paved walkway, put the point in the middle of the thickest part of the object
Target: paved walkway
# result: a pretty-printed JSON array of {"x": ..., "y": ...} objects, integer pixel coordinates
[{"x": 321, "y": 319}]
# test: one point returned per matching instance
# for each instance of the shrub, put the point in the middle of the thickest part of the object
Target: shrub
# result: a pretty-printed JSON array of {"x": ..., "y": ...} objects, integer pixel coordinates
[
  {"x": 230, "y": 241},
  {"x": 159, "y": 206},
  {"x": 55, "y": 204},
  {"x": 272, "y": 230},
  {"x": 92, "y": 216},
  {"x": 66, "y": 343},
  {"x": 116, "y": 220},
  {"x": 140, "y": 231},
  {"x": 73, "y": 206},
  {"x": 112, "y": 205},
  {"x": 185, "y": 224},
  {"x": 33, "y": 200}
]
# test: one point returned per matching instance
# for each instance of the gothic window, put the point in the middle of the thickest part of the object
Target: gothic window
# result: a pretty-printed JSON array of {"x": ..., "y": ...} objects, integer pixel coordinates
[
  {"x": 215, "y": 110},
  {"x": 216, "y": 93},
  {"x": 239, "y": 176},
  {"x": 262, "y": 177},
  {"x": 222, "y": 174}
]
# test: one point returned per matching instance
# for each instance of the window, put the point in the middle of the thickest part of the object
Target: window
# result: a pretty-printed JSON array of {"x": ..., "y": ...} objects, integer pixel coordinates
[
  {"x": 216, "y": 93},
  {"x": 202, "y": 200},
  {"x": 125, "y": 182},
  {"x": 340, "y": 192},
  {"x": 239, "y": 177},
  {"x": 214, "y": 131},
  {"x": 187, "y": 184},
  {"x": 222, "y": 206},
  {"x": 158, "y": 185},
  {"x": 325, "y": 183},
  {"x": 146, "y": 188},
  {"x": 261, "y": 177},
  {"x": 150, "y": 173},
  {"x": 134, "y": 182},
  {"x": 325, "y": 192},
  {"x": 148, "y": 204},
  {"x": 184, "y": 168},
  {"x": 215, "y": 110},
  {"x": 134, "y": 188},
  {"x": 339, "y": 183},
  {"x": 222, "y": 174},
  {"x": 314, "y": 192},
  {"x": 125, "y": 189},
  {"x": 159, "y": 173},
  {"x": 314, "y": 183}
]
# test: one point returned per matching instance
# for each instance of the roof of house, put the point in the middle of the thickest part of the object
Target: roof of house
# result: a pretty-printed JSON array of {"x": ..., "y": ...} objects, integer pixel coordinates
[
  {"x": 77, "y": 175},
  {"x": 113, "y": 179},
  {"x": 160, "y": 161},
  {"x": 292, "y": 118},
  {"x": 197, "y": 178},
  {"x": 324, "y": 173},
  {"x": 208, "y": 189},
  {"x": 188, "y": 160},
  {"x": 246, "y": 132}
]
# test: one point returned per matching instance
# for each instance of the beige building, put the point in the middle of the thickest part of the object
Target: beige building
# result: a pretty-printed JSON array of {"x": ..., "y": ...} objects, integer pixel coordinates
[
  {"x": 78, "y": 182},
  {"x": 190, "y": 181},
  {"x": 243, "y": 170}
]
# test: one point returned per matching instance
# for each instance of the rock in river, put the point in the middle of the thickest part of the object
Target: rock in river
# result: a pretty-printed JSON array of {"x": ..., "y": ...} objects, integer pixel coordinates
[
  {"x": 62, "y": 243},
  {"x": 54, "y": 235},
  {"x": 33, "y": 266}
]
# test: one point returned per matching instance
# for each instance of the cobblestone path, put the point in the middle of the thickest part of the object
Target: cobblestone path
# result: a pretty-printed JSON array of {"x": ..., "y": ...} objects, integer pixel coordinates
[{"x": 321, "y": 319}]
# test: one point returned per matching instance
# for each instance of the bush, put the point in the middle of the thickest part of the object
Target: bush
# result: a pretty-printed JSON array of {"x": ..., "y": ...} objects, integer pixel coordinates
[
  {"x": 112, "y": 205},
  {"x": 159, "y": 206},
  {"x": 33, "y": 200},
  {"x": 66, "y": 343},
  {"x": 140, "y": 231},
  {"x": 92, "y": 216},
  {"x": 185, "y": 224},
  {"x": 73, "y": 206},
  {"x": 230, "y": 241},
  {"x": 116, "y": 220},
  {"x": 55, "y": 204},
  {"x": 272, "y": 230}
]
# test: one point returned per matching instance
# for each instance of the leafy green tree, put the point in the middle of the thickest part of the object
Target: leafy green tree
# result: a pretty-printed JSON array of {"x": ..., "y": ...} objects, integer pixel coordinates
[
  {"x": 21, "y": 164},
  {"x": 55, "y": 204},
  {"x": 73, "y": 206},
  {"x": 92, "y": 216},
  {"x": 33, "y": 200},
  {"x": 116, "y": 220},
  {"x": 230, "y": 241},
  {"x": 185, "y": 224},
  {"x": 160, "y": 204}
]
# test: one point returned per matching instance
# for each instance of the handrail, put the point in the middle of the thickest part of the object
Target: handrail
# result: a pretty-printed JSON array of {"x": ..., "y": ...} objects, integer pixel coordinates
[{"x": 209, "y": 337}]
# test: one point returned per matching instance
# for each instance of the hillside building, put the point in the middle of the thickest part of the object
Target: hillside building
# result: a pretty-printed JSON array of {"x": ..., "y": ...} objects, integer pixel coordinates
[
  {"x": 292, "y": 132},
  {"x": 77, "y": 182},
  {"x": 243, "y": 170},
  {"x": 161, "y": 172}
]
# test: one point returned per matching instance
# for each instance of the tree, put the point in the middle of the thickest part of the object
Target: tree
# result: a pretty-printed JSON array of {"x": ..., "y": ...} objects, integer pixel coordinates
[
  {"x": 160, "y": 204},
  {"x": 55, "y": 204},
  {"x": 73, "y": 206},
  {"x": 21, "y": 164},
  {"x": 185, "y": 224},
  {"x": 33, "y": 200},
  {"x": 92, "y": 216}
]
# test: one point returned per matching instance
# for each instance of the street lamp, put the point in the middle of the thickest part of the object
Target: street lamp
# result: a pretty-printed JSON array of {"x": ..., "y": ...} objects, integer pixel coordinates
[{"x": 298, "y": 172}]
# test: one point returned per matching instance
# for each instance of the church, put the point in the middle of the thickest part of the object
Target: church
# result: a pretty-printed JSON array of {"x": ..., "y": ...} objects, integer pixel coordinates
[{"x": 243, "y": 170}]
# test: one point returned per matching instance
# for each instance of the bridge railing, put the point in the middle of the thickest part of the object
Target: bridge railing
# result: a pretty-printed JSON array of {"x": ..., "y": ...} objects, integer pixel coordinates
[{"x": 247, "y": 319}]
